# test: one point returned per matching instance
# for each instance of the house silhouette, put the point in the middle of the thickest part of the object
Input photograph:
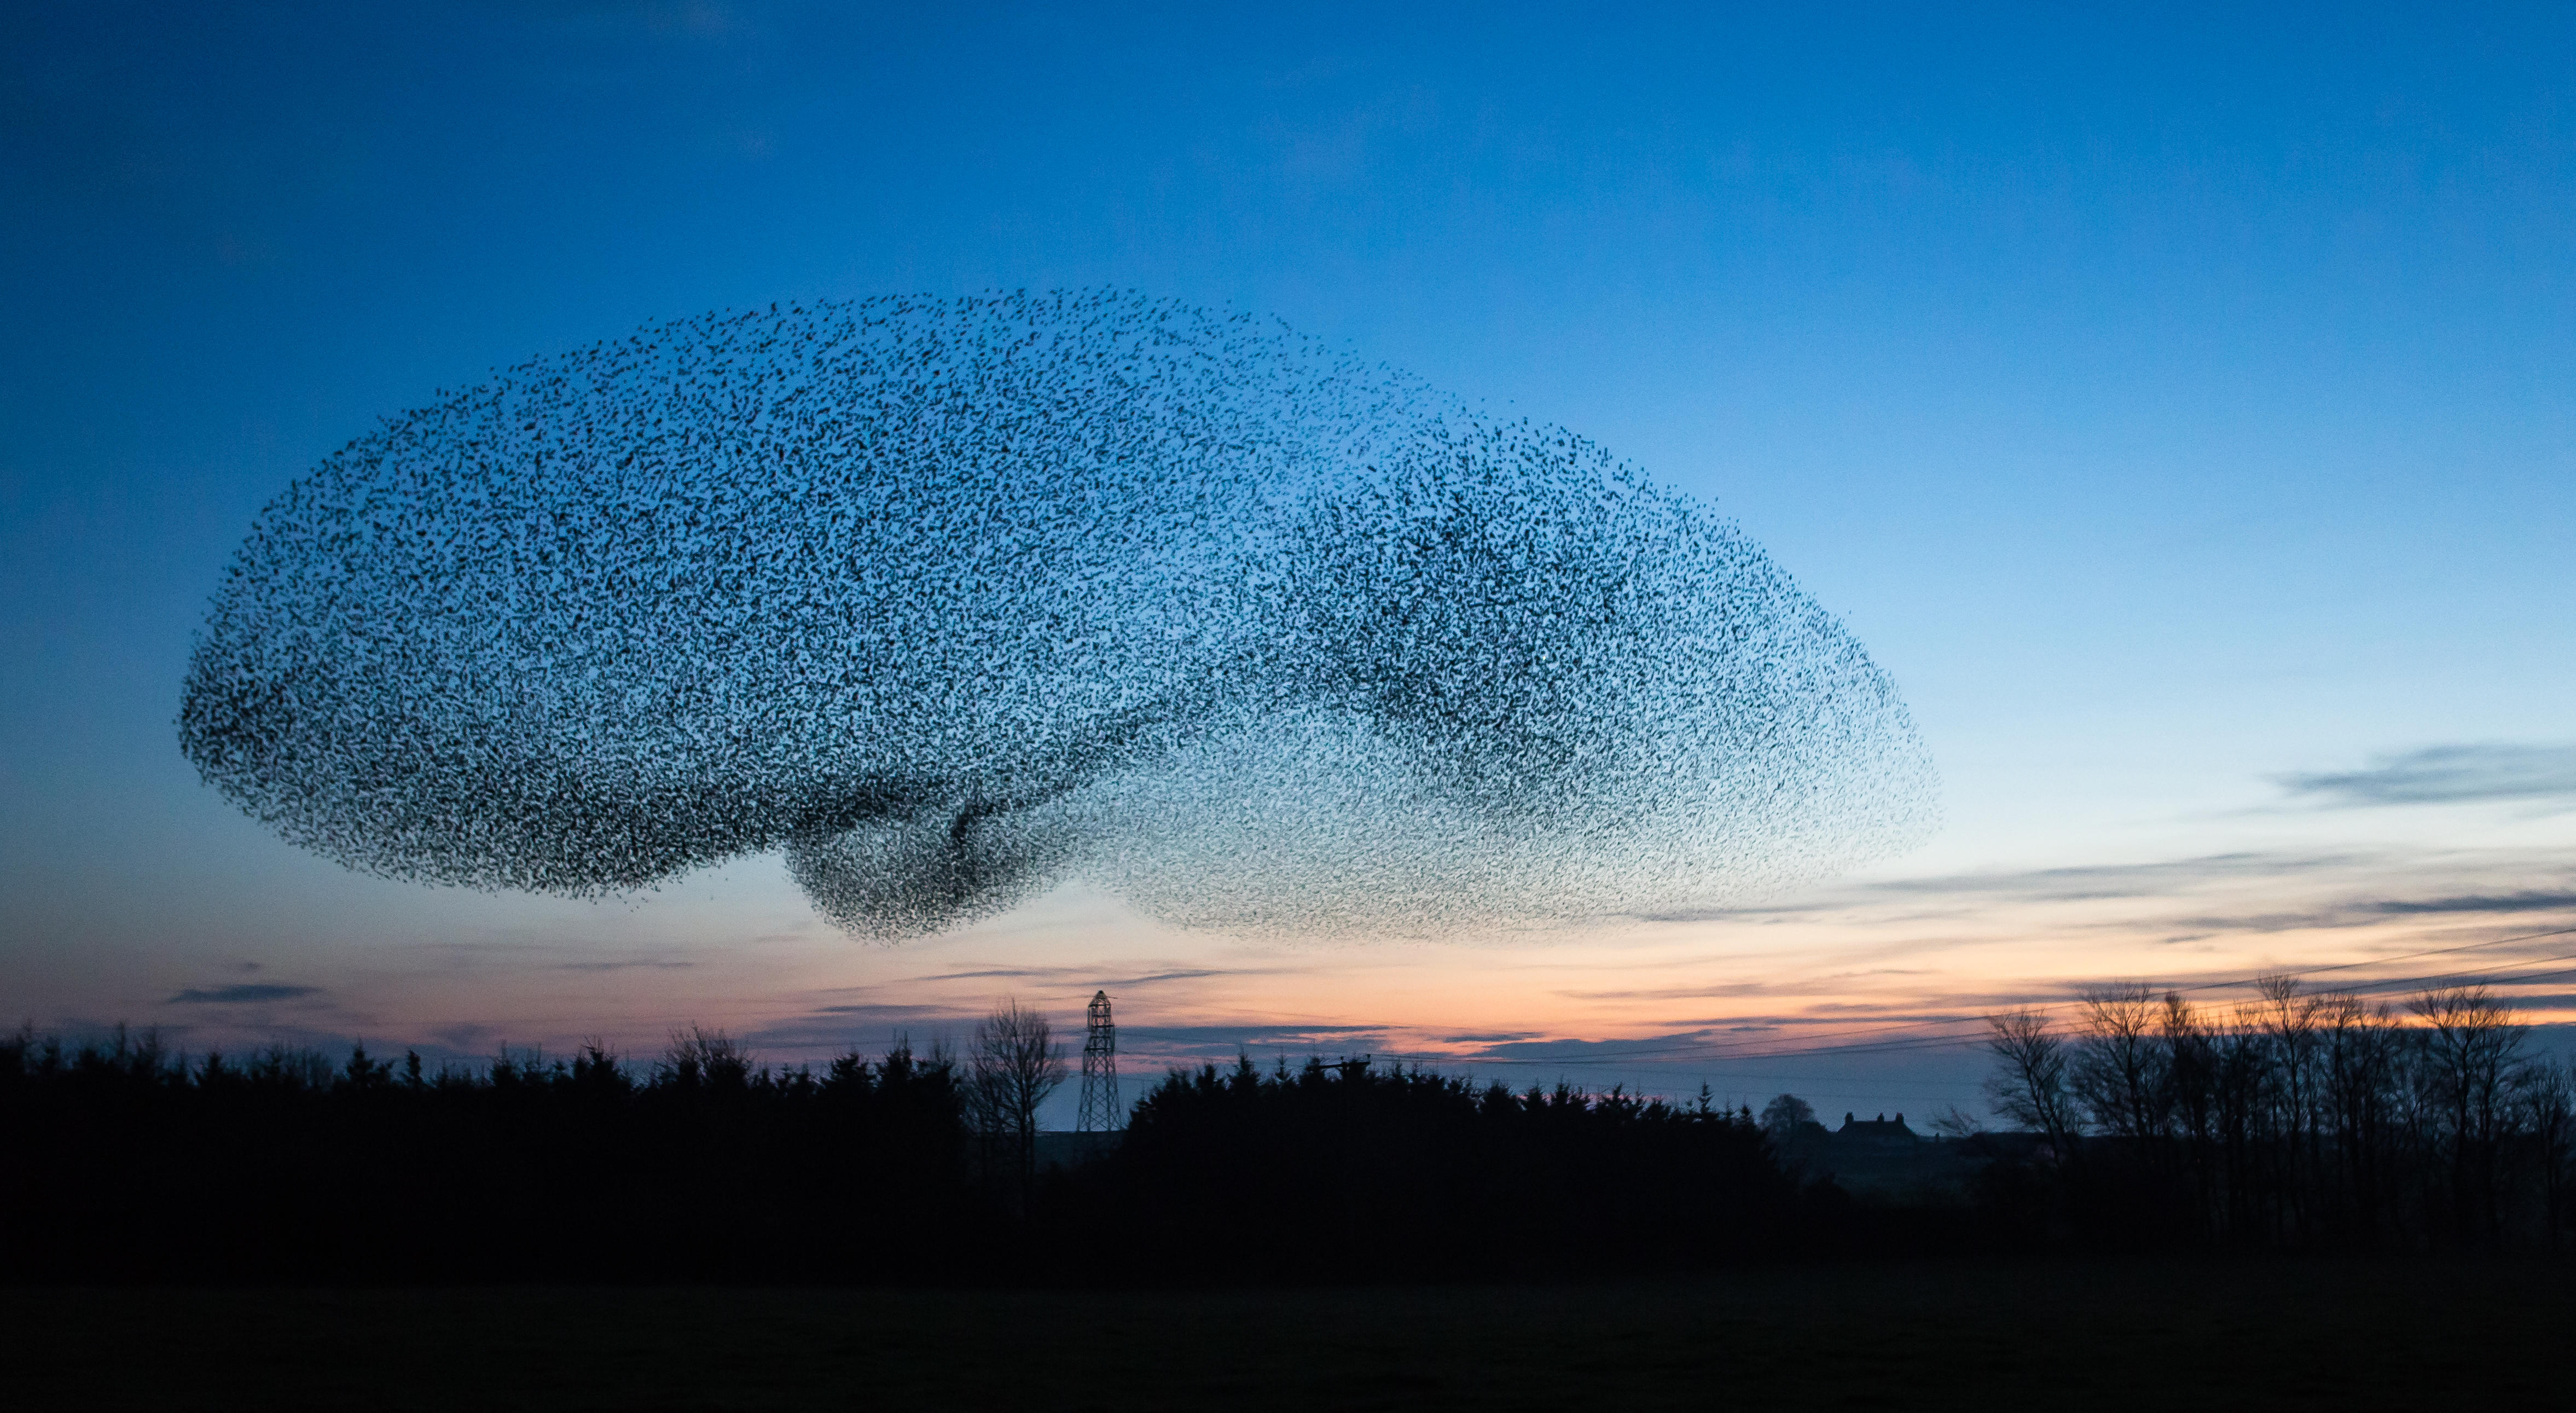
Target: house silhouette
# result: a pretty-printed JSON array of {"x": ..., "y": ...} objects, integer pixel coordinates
[{"x": 1878, "y": 1130}]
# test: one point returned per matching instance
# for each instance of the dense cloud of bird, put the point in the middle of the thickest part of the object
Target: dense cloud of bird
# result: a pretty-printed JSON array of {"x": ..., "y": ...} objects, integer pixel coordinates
[{"x": 952, "y": 600}]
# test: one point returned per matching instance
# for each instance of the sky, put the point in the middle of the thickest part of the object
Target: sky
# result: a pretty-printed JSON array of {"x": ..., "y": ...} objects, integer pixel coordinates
[{"x": 2180, "y": 404}]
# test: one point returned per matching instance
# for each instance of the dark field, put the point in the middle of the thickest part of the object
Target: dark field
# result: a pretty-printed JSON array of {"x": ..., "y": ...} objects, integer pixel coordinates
[{"x": 2082, "y": 1336}]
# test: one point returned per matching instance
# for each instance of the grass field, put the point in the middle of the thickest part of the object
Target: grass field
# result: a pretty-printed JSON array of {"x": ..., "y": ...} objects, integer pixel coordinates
[{"x": 2066, "y": 1336}]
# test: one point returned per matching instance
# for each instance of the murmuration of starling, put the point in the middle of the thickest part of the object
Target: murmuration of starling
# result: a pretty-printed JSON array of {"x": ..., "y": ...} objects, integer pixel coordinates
[{"x": 953, "y": 600}]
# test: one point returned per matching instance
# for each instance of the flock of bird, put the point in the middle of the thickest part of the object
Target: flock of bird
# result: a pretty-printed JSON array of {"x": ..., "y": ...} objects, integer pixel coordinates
[{"x": 952, "y": 600}]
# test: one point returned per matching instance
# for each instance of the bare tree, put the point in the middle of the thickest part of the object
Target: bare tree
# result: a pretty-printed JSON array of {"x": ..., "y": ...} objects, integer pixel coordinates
[
  {"x": 698, "y": 1055},
  {"x": 2119, "y": 1070},
  {"x": 1016, "y": 1064},
  {"x": 2473, "y": 1052},
  {"x": 2361, "y": 1060},
  {"x": 2299, "y": 1115},
  {"x": 2245, "y": 1085},
  {"x": 2292, "y": 1018},
  {"x": 2549, "y": 1117},
  {"x": 2191, "y": 1082},
  {"x": 2031, "y": 1089}
]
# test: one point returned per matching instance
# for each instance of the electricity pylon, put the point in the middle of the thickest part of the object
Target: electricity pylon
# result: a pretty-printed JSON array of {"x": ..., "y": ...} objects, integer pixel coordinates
[{"x": 1100, "y": 1110}]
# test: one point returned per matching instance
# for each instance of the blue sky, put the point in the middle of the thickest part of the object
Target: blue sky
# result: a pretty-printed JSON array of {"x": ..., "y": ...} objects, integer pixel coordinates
[{"x": 2182, "y": 404}]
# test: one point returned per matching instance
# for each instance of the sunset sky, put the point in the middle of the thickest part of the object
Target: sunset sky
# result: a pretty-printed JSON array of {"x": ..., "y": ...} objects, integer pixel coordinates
[{"x": 2181, "y": 405}]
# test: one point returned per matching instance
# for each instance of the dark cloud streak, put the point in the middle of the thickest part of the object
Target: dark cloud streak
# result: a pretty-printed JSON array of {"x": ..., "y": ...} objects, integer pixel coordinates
[
  {"x": 2443, "y": 775},
  {"x": 241, "y": 994},
  {"x": 2505, "y": 903}
]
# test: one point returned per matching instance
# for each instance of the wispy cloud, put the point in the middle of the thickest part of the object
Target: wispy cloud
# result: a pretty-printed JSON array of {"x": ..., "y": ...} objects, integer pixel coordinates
[
  {"x": 466, "y": 1037},
  {"x": 1090, "y": 977},
  {"x": 1642, "y": 1048},
  {"x": 1264, "y": 1036},
  {"x": 2525, "y": 902},
  {"x": 863, "y": 1027},
  {"x": 1710, "y": 991},
  {"x": 1187, "y": 974},
  {"x": 240, "y": 994},
  {"x": 1982, "y": 891},
  {"x": 2161, "y": 878},
  {"x": 2367, "y": 911},
  {"x": 2441, "y": 775}
]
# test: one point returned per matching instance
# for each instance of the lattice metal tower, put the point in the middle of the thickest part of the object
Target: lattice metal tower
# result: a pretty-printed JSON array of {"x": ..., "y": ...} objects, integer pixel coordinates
[{"x": 1100, "y": 1109}]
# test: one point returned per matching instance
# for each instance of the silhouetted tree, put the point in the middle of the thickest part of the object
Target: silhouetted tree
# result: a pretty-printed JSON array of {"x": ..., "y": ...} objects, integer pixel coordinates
[
  {"x": 1015, "y": 1064},
  {"x": 1357, "y": 1171},
  {"x": 699, "y": 1056},
  {"x": 2032, "y": 1086},
  {"x": 1782, "y": 1116},
  {"x": 2472, "y": 1059},
  {"x": 2549, "y": 1117},
  {"x": 2118, "y": 1073},
  {"x": 2304, "y": 1118}
]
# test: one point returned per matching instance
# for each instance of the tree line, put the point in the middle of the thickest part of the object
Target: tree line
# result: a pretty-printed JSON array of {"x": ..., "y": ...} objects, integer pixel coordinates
[
  {"x": 1324, "y": 1172},
  {"x": 2302, "y": 1118},
  {"x": 130, "y": 1161}
]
